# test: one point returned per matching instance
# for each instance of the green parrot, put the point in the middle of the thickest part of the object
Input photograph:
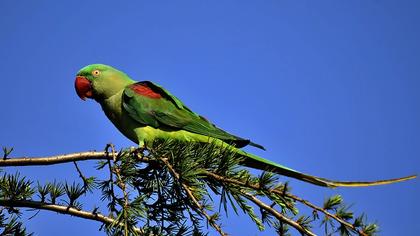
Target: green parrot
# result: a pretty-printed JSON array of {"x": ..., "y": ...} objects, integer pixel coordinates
[{"x": 144, "y": 111}]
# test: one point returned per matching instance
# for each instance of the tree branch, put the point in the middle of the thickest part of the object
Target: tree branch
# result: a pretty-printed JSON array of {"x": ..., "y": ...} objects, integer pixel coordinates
[
  {"x": 59, "y": 159},
  {"x": 52, "y": 160},
  {"x": 191, "y": 196},
  {"x": 61, "y": 209},
  {"x": 122, "y": 185},
  {"x": 81, "y": 156},
  {"x": 294, "y": 197},
  {"x": 279, "y": 216}
]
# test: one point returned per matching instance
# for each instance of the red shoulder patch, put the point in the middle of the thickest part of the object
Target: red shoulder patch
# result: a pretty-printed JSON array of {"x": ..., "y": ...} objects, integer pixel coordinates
[{"x": 144, "y": 90}]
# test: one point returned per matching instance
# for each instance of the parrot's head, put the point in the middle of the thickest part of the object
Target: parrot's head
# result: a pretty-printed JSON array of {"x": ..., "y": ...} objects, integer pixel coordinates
[{"x": 98, "y": 81}]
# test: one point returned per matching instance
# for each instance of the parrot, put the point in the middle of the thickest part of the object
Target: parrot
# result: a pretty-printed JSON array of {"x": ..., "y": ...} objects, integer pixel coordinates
[{"x": 144, "y": 112}]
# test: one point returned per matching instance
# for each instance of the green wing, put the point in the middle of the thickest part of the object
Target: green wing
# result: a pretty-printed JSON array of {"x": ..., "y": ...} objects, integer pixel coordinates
[{"x": 150, "y": 104}]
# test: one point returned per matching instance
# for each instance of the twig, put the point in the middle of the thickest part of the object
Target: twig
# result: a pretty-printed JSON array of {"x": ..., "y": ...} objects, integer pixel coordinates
[
  {"x": 61, "y": 209},
  {"x": 37, "y": 212},
  {"x": 338, "y": 219},
  {"x": 279, "y": 216},
  {"x": 111, "y": 178},
  {"x": 122, "y": 185},
  {"x": 85, "y": 182},
  {"x": 191, "y": 196}
]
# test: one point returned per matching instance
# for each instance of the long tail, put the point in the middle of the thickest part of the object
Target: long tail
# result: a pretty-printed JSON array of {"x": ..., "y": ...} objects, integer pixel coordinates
[{"x": 257, "y": 162}]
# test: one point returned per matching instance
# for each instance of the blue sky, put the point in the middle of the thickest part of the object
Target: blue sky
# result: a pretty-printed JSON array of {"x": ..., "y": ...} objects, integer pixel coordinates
[{"x": 330, "y": 88}]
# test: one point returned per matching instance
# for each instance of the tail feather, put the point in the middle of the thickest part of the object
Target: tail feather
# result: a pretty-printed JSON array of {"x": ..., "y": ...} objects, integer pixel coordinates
[
  {"x": 257, "y": 162},
  {"x": 257, "y": 145}
]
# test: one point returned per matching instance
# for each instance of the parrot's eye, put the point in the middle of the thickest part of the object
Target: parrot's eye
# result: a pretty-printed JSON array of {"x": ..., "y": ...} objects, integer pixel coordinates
[{"x": 96, "y": 73}]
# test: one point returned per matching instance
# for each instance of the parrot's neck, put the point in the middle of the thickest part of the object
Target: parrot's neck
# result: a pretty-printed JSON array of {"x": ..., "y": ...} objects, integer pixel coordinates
[{"x": 112, "y": 85}]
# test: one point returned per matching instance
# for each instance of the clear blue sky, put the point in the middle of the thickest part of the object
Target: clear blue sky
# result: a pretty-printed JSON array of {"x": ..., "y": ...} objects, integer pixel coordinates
[{"x": 330, "y": 88}]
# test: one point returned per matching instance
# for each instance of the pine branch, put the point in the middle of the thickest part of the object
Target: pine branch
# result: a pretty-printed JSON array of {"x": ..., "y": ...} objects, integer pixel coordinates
[
  {"x": 122, "y": 185},
  {"x": 279, "y": 216},
  {"x": 82, "y": 156},
  {"x": 194, "y": 200},
  {"x": 294, "y": 197},
  {"x": 61, "y": 209}
]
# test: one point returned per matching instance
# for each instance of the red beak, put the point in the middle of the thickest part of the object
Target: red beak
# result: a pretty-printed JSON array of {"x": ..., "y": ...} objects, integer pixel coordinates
[{"x": 83, "y": 87}]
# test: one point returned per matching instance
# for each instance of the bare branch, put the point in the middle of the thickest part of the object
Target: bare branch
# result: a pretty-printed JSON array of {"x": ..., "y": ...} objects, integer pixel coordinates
[
  {"x": 59, "y": 159},
  {"x": 52, "y": 160}
]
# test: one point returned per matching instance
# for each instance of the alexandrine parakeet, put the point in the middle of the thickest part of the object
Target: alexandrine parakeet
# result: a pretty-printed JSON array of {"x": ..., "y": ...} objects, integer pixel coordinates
[{"x": 144, "y": 111}]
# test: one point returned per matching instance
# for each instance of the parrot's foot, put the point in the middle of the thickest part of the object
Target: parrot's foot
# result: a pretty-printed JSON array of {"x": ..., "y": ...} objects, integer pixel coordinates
[
  {"x": 132, "y": 149},
  {"x": 142, "y": 147}
]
